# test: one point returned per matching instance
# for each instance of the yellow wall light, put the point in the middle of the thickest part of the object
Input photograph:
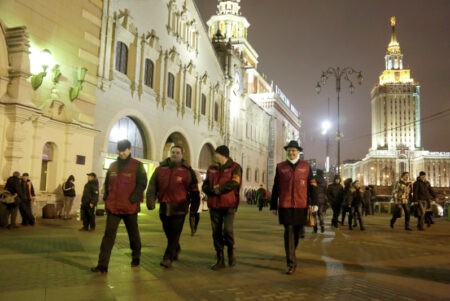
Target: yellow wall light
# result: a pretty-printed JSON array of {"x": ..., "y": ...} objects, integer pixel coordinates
[
  {"x": 44, "y": 59},
  {"x": 74, "y": 91}
]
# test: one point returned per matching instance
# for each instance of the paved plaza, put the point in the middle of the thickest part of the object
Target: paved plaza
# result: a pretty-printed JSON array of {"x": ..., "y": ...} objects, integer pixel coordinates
[{"x": 51, "y": 261}]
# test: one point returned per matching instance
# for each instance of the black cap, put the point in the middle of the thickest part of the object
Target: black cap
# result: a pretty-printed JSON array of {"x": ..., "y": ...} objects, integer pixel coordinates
[
  {"x": 25, "y": 174},
  {"x": 92, "y": 174},
  {"x": 422, "y": 173},
  {"x": 223, "y": 150},
  {"x": 123, "y": 145},
  {"x": 293, "y": 143}
]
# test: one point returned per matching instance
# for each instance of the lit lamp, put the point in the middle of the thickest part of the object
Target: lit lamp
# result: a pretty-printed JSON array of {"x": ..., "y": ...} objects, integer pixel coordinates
[
  {"x": 74, "y": 91},
  {"x": 45, "y": 59}
]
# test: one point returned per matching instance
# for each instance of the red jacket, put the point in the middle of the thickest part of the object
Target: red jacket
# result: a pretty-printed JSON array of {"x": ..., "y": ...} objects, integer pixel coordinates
[
  {"x": 121, "y": 184},
  {"x": 293, "y": 184},
  {"x": 228, "y": 180},
  {"x": 174, "y": 184}
]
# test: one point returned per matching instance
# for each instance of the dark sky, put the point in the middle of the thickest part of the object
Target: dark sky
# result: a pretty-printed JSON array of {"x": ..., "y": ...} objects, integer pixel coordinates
[{"x": 297, "y": 39}]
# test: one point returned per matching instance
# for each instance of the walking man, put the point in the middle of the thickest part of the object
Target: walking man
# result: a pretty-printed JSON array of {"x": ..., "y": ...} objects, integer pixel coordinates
[
  {"x": 222, "y": 185},
  {"x": 175, "y": 185},
  {"x": 125, "y": 183},
  {"x": 335, "y": 194},
  {"x": 14, "y": 187},
  {"x": 401, "y": 194},
  {"x": 292, "y": 192},
  {"x": 422, "y": 196}
]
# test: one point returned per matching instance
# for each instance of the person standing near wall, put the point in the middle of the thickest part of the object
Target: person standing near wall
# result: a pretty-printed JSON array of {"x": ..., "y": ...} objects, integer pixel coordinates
[{"x": 69, "y": 195}]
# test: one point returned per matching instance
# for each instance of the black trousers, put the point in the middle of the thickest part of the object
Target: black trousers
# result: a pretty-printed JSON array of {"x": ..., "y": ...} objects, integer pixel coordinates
[
  {"x": 222, "y": 220},
  {"x": 109, "y": 237},
  {"x": 88, "y": 216},
  {"x": 356, "y": 212},
  {"x": 172, "y": 226},
  {"x": 336, "y": 210},
  {"x": 291, "y": 237},
  {"x": 25, "y": 212},
  {"x": 397, "y": 212}
]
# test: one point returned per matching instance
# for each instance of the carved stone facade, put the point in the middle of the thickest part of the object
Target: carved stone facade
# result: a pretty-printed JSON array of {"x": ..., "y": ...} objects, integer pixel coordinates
[{"x": 47, "y": 128}]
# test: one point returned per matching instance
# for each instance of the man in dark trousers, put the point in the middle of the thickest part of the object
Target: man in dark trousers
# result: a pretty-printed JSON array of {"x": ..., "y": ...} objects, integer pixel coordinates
[
  {"x": 261, "y": 197},
  {"x": 175, "y": 186},
  {"x": 26, "y": 197},
  {"x": 422, "y": 196},
  {"x": 125, "y": 183},
  {"x": 89, "y": 201},
  {"x": 335, "y": 194},
  {"x": 14, "y": 187},
  {"x": 293, "y": 190},
  {"x": 222, "y": 185}
]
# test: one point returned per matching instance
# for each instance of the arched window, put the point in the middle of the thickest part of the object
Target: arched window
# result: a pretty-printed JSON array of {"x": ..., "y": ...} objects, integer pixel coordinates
[
  {"x": 126, "y": 128},
  {"x": 248, "y": 174},
  {"x": 148, "y": 77},
  {"x": 188, "y": 96},
  {"x": 170, "y": 85},
  {"x": 121, "y": 57},
  {"x": 203, "y": 105},
  {"x": 256, "y": 175}
]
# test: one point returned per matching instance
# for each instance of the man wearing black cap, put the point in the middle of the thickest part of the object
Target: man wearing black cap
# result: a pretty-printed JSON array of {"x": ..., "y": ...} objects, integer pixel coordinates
[
  {"x": 222, "y": 184},
  {"x": 125, "y": 183},
  {"x": 293, "y": 190},
  {"x": 422, "y": 196},
  {"x": 89, "y": 201}
]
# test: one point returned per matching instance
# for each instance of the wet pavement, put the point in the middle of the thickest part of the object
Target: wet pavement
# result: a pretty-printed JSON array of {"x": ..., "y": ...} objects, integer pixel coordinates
[{"x": 51, "y": 261}]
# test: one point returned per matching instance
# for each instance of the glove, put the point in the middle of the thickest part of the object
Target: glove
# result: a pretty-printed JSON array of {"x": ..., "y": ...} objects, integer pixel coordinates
[{"x": 315, "y": 208}]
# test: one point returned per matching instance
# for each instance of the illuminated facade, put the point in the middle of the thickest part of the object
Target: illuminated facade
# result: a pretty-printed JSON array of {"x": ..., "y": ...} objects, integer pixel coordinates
[
  {"x": 261, "y": 118},
  {"x": 396, "y": 134},
  {"x": 48, "y": 66}
]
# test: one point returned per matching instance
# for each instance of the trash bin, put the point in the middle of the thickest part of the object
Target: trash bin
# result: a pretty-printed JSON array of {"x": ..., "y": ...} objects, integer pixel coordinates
[{"x": 49, "y": 211}]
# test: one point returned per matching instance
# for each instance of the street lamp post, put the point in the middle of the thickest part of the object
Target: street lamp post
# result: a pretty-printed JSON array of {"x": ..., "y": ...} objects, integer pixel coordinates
[{"x": 339, "y": 73}]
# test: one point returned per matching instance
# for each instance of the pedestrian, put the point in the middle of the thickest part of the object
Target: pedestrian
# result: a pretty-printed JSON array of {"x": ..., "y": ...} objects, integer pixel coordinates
[
  {"x": 346, "y": 199},
  {"x": 89, "y": 201},
  {"x": 367, "y": 197},
  {"x": 422, "y": 196},
  {"x": 335, "y": 193},
  {"x": 69, "y": 195},
  {"x": 124, "y": 187},
  {"x": 175, "y": 185},
  {"x": 292, "y": 193},
  {"x": 357, "y": 206},
  {"x": 222, "y": 185},
  {"x": 261, "y": 197},
  {"x": 321, "y": 186},
  {"x": 14, "y": 187},
  {"x": 26, "y": 197},
  {"x": 401, "y": 195}
]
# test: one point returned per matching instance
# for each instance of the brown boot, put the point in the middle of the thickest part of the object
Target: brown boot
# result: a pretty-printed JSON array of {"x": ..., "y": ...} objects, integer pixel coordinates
[{"x": 220, "y": 264}]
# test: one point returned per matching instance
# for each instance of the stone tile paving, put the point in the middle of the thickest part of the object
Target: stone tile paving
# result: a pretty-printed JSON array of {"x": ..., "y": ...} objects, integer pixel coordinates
[{"x": 52, "y": 260}]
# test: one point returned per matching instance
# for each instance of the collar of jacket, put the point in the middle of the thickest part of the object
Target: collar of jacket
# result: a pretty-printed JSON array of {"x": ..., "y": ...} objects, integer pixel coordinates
[
  {"x": 168, "y": 162},
  {"x": 227, "y": 164}
]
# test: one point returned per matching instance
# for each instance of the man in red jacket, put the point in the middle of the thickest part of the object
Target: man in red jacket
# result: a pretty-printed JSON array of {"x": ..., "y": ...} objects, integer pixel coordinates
[
  {"x": 293, "y": 190},
  {"x": 125, "y": 183},
  {"x": 175, "y": 186},
  {"x": 222, "y": 184}
]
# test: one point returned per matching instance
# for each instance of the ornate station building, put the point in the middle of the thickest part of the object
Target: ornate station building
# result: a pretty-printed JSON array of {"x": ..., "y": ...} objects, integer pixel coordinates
[{"x": 78, "y": 76}]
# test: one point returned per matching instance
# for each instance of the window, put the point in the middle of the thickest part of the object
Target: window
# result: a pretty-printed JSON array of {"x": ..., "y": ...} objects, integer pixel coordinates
[
  {"x": 148, "y": 77},
  {"x": 121, "y": 57},
  {"x": 256, "y": 175},
  {"x": 170, "y": 85},
  {"x": 126, "y": 128},
  {"x": 203, "y": 105},
  {"x": 216, "y": 112},
  {"x": 249, "y": 174},
  {"x": 188, "y": 96}
]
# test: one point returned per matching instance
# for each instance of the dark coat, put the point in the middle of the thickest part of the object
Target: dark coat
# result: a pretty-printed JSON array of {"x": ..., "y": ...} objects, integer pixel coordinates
[
  {"x": 422, "y": 191},
  {"x": 335, "y": 193},
  {"x": 90, "y": 193}
]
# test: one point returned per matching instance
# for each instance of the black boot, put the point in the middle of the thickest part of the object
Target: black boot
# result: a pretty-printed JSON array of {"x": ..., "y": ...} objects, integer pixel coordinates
[
  {"x": 231, "y": 257},
  {"x": 407, "y": 228},
  {"x": 315, "y": 229},
  {"x": 220, "y": 264}
]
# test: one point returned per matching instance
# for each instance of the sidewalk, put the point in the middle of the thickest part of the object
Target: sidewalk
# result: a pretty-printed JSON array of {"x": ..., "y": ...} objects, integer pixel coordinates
[{"x": 51, "y": 261}]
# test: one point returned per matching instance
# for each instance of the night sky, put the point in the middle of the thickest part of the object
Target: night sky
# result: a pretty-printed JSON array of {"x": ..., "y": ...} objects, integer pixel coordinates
[{"x": 297, "y": 39}]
